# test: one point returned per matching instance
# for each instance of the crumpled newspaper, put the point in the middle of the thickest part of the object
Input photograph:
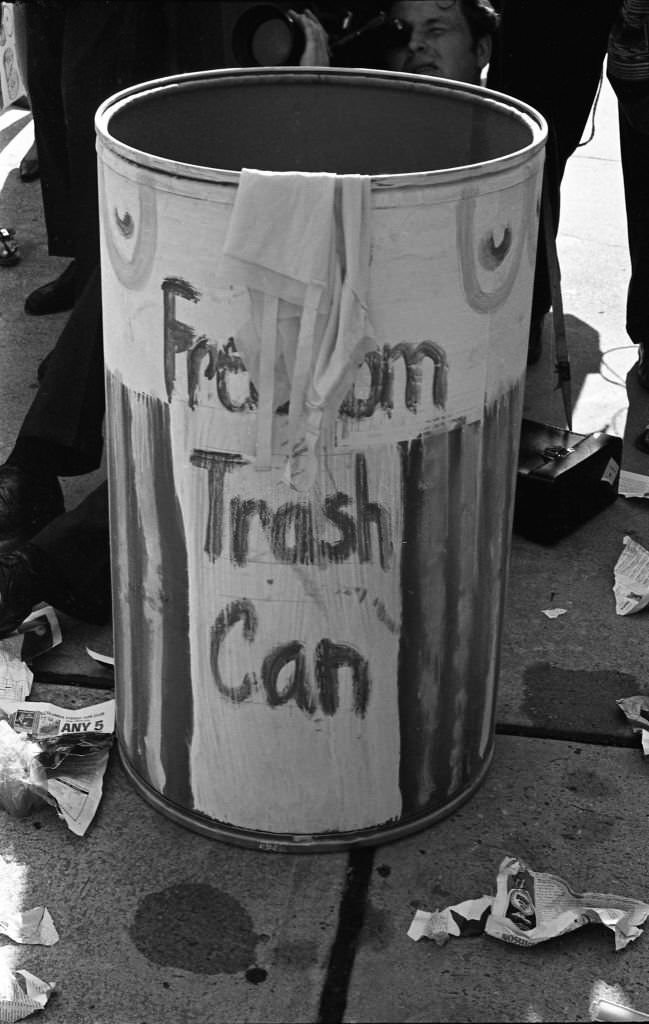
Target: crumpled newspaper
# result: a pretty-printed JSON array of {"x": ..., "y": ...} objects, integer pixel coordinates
[
  {"x": 636, "y": 710},
  {"x": 33, "y": 927},
  {"x": 23, "y": 783},
  {"x": 54, "y": 755},
  {"x": 631, "y": 571},
  {"x": 16, "y": 677},
  {"x": 38, "y": 633},
  {"x": 531, "y": 907},
  {"x": 21, "y": 994}
]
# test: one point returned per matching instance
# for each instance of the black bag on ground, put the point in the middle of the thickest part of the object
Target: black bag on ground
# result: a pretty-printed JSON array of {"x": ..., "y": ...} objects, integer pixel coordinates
[{"x": 563, "y": 480}]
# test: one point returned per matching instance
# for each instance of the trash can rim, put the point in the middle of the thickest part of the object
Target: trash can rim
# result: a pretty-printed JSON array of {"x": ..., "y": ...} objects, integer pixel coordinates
[{"x": 420, "y": 83}]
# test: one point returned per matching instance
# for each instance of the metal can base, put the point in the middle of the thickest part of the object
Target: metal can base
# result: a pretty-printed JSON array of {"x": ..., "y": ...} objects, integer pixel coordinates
[{"x": 328, "y": 842}]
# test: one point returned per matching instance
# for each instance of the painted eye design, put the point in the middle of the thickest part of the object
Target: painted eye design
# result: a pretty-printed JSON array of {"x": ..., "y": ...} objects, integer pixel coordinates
[
  {"x": 489, "y": 249},
  {"x": 125, "y": 224},
  {"x": 492, "y": 255},
  {"x": 130, "y": 238}
]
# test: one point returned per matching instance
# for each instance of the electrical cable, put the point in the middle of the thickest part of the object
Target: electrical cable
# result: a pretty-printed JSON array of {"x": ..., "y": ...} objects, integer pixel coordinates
[{"x": 593, "y": 112}]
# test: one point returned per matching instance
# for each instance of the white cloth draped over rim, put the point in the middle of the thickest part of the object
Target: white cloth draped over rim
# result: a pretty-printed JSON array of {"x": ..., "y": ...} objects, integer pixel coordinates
[{"x": 300, "y": 244}]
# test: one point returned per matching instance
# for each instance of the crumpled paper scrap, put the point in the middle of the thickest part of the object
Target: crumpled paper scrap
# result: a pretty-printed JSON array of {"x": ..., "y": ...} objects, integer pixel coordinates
[
  {"x": 40, "y": 631},
  {"x": 36, "y": 634},
  {"x": 16, "y": 677},
  {"x": 636, "y": 710},
  {"x": 605, "y": 1009},
  {"x": 531, "y": 907},
  {"x": 33, "y": 927},
  {"x": 633, "y": 485},
  {"x": 554, "y": 613},
  {"x": 467, "y": 918},
  {"x": 21, "y": 994},
  {"x": 631, "y": 572},
  {"x": 100, "y": 656},
  {"x": 23, "y": 783}
]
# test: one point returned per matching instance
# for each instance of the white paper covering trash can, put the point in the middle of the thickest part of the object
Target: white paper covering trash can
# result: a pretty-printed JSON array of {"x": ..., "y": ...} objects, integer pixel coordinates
[{"x": 314, "y": 671}]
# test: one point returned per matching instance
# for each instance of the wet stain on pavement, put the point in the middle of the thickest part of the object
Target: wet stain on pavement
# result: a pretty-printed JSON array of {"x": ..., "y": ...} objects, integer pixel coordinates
[
  {"x": 378, "y": 928},
  {"x": 255, "y": 975},
  {"x": 195, "y": 927},
  {"x": 552, "y": 694}
]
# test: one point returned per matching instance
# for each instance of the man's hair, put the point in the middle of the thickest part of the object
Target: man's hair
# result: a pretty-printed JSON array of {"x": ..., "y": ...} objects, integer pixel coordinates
[{"x": 481, "y": 17}]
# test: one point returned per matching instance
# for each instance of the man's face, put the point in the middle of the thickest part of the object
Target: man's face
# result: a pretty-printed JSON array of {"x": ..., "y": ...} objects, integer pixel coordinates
[{"x": 441, "y": 43}]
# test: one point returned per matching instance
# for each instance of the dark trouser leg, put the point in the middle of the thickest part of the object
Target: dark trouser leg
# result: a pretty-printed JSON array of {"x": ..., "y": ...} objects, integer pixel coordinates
[
  {"x": 77, "y": 548},
  {"x": 550, "y": 55},
  {"x": 633, "y": 100},
  {"x": 62, "y": 433},
  {"x": 100, "y": 57},
  {"x": 79, "y": 54},
  {"x": 45, "y": 24}
]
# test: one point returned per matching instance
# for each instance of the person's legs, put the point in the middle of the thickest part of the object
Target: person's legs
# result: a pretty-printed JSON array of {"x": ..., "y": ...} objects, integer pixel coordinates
[
  {"x": 28, "y": 169},
  {"x": 106, "y": 47},
  {"x": 79, "y": 54},
  {"x": 61, "y": 557},
  {"x": 67, "y": 564},
  {"x": 62, "y": 433},
  {"x": 633, "y": 101},
  {"x": 45, "y": 26},
  {"x": 550, "y": 55}
]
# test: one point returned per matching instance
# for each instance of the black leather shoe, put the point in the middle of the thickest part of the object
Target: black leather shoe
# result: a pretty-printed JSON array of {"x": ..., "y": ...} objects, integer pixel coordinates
[
  {"x": 54, "y": 297},
  {"x": 29, "y": 169},
  {"x": 642, "y": 367},
  {"x": 28, "y": 575},
  {"x": 22, "y": 584},
  {"x": 28, "y": 502}
]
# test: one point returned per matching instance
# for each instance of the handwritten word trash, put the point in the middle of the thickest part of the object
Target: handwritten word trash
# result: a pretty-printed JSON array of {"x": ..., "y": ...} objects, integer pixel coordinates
[
  {"x": 531, "y": 907},
  {"x": 54, "y": 755}
]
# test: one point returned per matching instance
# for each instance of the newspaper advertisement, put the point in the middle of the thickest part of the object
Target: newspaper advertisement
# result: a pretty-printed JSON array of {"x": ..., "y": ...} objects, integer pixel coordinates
[{"x": 57, "y": 755}]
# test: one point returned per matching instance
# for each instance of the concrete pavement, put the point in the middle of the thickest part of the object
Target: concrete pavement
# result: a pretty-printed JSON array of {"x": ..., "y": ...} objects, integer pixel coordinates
[{"x": 158, "y": 924}]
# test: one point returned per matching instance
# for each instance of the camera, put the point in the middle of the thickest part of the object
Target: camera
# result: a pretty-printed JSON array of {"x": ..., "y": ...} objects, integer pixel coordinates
[{"x": 267, "y": 35}]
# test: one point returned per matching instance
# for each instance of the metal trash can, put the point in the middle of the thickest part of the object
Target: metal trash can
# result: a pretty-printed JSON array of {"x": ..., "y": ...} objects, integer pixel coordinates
[{"x": 314, "y": 671}]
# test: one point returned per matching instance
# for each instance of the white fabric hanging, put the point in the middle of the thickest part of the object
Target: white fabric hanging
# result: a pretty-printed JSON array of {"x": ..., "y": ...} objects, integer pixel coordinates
[{"x": 300, "y": 244}]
